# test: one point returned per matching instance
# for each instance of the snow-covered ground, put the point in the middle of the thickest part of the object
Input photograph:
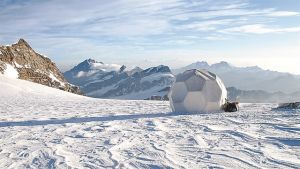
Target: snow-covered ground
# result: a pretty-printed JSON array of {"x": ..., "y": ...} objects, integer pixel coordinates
[{"x": 41, "y": 127}]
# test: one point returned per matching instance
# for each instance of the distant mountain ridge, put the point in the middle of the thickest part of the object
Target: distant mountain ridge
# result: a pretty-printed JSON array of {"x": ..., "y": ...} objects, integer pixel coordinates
[
  {"x": 261, "y": 96},
  {"x": 101, "y": 80},
  {"x": 21, "y": 61},
  {"x": 249, "y": 78}
]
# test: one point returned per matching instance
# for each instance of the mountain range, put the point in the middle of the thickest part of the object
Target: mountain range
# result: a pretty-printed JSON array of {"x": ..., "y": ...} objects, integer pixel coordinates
[
  {"x": 97, "y": 79},
  {"x": 260, "y": 96},
  {"x": 249, "y": 78}
]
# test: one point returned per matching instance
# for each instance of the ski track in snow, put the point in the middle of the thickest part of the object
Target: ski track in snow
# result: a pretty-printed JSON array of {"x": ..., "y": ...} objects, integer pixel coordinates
[{"x": 79, "y": 132}]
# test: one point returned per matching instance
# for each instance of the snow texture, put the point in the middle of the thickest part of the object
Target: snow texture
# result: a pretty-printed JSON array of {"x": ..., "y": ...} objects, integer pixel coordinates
[
  {"x": 156, "y": 76},
  {"x": 17, "y": 65},
  {"x": 55, "y": 79},
  {"x": 10, "y": 71},
  {"x": 42, "y": 127}
]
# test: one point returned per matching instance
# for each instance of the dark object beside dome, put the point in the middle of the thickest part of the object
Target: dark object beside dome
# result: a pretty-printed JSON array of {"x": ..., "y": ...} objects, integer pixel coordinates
[{"x": 230, "y": 106}]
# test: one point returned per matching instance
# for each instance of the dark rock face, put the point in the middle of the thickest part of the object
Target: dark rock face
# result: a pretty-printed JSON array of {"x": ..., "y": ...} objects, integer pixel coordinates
[
  {"x": 230, "y": 106},
  {"x": 2, "y": 67},
  {"x": 33, "y": 66}
]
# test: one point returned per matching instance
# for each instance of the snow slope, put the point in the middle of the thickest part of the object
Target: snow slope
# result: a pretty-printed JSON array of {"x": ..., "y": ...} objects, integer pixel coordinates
[
  {"x": 42, "y": 127},
  {"x": 10, "y": 71}
]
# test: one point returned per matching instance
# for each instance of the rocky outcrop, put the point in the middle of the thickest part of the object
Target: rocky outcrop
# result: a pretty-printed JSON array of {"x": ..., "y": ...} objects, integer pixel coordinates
[
  {"x": 2, "y": 67},
  {"x": 33, "y": 66}
]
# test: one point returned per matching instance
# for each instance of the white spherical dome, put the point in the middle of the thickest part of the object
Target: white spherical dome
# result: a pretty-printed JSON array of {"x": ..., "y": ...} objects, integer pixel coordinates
[{"x": 197, "y": 91}]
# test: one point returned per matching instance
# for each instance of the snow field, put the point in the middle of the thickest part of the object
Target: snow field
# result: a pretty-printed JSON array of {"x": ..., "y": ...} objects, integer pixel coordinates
[{"x": 41, "y": 127}]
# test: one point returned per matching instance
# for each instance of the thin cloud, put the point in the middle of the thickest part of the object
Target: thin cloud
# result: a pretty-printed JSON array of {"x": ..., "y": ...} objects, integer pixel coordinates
[
  {"x": 283, "y": 13},
  {"x": 126, "y": 17},
  {"x": 260, "y": 29}
]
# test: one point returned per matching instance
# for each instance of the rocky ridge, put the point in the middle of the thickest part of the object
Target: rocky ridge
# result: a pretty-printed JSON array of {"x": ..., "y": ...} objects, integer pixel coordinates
[{"x": 33, "y": 66}]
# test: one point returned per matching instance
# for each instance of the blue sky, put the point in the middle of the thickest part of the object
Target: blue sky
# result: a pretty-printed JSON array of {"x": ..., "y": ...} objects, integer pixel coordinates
[{"x": 148, "y": 33}]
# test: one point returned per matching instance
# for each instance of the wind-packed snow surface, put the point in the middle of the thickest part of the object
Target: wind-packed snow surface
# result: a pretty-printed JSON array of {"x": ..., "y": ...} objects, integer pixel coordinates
[{"x": 42, "y": 127}]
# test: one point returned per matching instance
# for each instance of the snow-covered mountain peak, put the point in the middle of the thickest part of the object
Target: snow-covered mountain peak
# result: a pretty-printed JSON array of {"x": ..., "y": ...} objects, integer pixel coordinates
[
  {"x": 90, "y": 61},
  {"x": 196, "y": 65},
  {"x": 86, "y": 65},
  {"x": 158, "y": 69},
  {"x": 91, "y": 67},
  {"x": 91, "y": 64},
  {"x": 134, "y": 70},
  {"x": 221, "y": 64},
  {"x": 253, "y": 68},
  {"x": 200, "y": 63}
]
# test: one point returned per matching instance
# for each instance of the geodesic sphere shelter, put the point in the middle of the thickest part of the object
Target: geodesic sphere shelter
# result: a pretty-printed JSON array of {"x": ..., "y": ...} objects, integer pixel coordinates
[{"x": 197, "y": 91}]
